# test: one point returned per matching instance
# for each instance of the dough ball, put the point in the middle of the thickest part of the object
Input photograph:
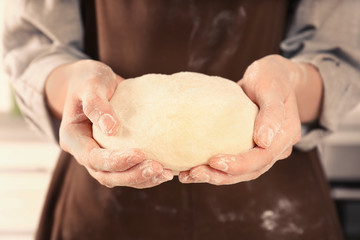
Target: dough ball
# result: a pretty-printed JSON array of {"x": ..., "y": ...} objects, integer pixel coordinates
[{"x": 181, "y": 120}]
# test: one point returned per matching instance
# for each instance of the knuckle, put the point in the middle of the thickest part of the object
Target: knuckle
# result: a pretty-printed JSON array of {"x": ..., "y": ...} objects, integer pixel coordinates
[
  {"x": 110, "y": 185},
  {"x": 144, "y": 185},
  {"x": 297, "y": 135},
  {"x": 219, "y": 183},
  {"x": 251, "y": 72},
  {"x": 63, "y": 144},
  {"x": 83, "y": 64},
  {"x": 94, "y": 106},
  {"x": 101, "y": 67},
  {"x": 92, "y": 65},
  {"x": 93, "y": 82},
  {"x": 256, "y": 175},
  {"x": 90, "y": 101},
  {"x": 91, "y": 107},
  {"x": 269, "y": 159},
  {"x": 287, "y": 153},
  {"x": 254, "y": 66},
  {"x": 253, "y": 176},
  {"x": 275, "y": 57},
  {"x": 63, "y": 138},
  {"x": 274, "y": 108},
  {"x": 297, "y": 138},
  {"x": 87, "y": 62}
]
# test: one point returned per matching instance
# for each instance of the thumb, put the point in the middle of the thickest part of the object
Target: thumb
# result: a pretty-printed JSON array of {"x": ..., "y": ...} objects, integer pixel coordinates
[{"x": 97, "y": 108}]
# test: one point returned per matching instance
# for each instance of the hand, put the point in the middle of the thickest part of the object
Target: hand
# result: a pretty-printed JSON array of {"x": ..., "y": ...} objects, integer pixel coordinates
[
  {"x": 274, "y": 84},
  {"x": 90, "y": 85}
]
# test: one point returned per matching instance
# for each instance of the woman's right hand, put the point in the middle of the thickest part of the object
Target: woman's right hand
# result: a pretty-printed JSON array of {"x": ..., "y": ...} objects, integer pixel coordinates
[{"x": 79, "y": 93}]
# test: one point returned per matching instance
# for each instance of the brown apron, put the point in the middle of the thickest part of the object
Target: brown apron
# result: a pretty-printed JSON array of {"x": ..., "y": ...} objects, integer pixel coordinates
[{"x": 134, "y": 37}]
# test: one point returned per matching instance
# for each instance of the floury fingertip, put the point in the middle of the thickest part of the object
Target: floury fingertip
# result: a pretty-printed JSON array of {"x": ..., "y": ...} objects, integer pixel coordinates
[
  {"x": 221, "y": 165},
  {"x": 107, "y": 123},
  {"x": 265, "y": 136}
]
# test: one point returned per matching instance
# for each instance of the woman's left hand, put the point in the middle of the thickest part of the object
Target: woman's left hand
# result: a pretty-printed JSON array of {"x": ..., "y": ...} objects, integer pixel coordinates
[{"x": 273, "y": 83}]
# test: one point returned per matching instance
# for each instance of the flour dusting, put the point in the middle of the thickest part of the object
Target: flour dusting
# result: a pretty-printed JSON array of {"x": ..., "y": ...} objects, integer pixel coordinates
[
  {"x": 269, "y": 220},
  {"x": 281, "y": 219}
]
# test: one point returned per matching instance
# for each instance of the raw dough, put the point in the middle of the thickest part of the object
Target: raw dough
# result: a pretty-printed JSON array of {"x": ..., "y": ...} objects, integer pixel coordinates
[{"x": 181, "y": 120}]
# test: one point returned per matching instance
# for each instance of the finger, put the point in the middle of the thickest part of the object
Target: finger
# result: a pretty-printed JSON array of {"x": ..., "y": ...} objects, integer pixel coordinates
[
  {"x": 98, "y": 89},
  {"x": 114, "y": 161},
  {"x": 165, "y": 176},
  {"x": 252, "y": 160},
  {"x": 245, "y": 163},
  {"x": 292, "y": 118},
  {"x": 100, "y": 112},
  {"x": 136, "y": 175},
  {"x": 76, "y": 131},
  {"x": 76, "y": 138},
  {"x": 206, "y": 174}
]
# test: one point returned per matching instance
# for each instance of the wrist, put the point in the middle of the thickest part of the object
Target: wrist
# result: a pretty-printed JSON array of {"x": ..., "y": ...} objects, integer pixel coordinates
[
  {"x": 56, "y": 87},
  {"x": 308, "y": 87}
]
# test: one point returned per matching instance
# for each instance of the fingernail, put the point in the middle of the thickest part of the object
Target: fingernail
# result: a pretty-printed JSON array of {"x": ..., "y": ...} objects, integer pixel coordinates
[
  {"x": 147, "y": 172},
  {"x": 221, "y": 165},
  {"x": 149, "y": 169},
  {"x": 134, "y": 159},
  {"x": 201, "y": 177},
  {"x": 107, "y": 123},
  {"x": 184, "y": 178},
  {"x": 265, "y": 136},
  {"x": 167, "y": 175},
  {"x": 157, "y": 179}
]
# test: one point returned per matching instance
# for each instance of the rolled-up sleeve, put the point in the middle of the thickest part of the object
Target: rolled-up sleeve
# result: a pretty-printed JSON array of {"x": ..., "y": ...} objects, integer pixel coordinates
[
  {"x": 39, "y": 35},
  {"x": 326, "y": 34}
]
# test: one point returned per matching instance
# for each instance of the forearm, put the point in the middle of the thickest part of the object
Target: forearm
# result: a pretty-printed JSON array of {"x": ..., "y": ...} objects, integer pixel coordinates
[{"x": 308, "y": 87}]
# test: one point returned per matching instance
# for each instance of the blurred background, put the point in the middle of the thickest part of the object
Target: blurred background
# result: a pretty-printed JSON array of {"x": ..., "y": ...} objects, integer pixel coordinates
[{"x": 27, "y": 161}]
